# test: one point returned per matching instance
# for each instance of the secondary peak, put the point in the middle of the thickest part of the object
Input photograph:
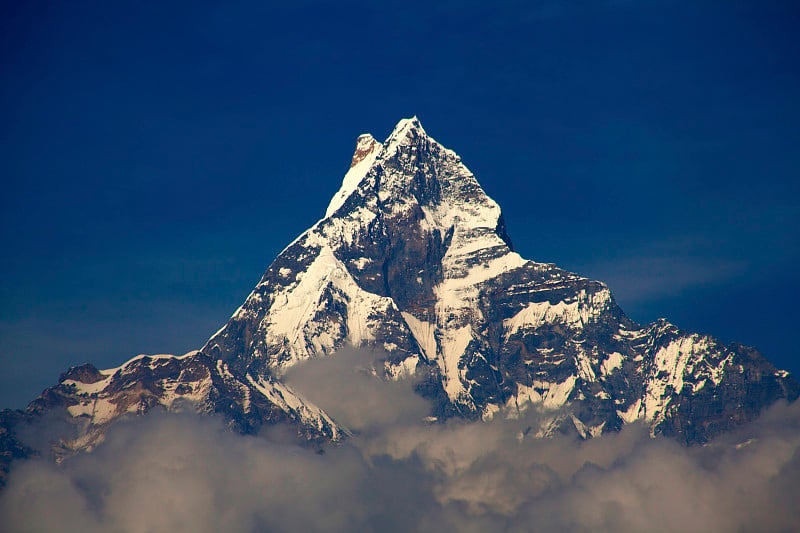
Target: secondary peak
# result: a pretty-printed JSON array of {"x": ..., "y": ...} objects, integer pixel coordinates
[{"x": 365, "y": 145}]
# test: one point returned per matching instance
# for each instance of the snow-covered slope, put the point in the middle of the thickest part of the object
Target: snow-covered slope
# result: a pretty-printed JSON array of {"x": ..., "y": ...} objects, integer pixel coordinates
[{"x": 412, "y": 258}]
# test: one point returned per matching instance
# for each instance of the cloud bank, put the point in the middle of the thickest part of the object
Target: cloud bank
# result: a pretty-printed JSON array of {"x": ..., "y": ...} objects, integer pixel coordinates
[{"x": 185, "y": 472}]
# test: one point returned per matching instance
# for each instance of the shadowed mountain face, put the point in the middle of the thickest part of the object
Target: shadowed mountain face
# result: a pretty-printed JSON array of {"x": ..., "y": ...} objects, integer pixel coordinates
[{"x": 412, "y": 259}]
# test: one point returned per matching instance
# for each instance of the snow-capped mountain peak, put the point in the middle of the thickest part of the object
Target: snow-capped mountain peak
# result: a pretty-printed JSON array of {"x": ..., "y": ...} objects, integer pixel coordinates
[
  {"x": 407, "y": 131},
  {"x": 412, "y": 259}
]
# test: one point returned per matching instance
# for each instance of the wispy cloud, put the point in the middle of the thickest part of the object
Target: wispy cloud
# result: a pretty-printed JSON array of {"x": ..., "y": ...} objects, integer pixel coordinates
[
  {"x": 397, "y": 474},
  {"x": 669, "y": 267}
]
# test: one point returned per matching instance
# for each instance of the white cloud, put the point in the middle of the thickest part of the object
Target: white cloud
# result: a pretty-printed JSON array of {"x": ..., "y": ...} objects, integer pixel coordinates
[{"x": 175, "y": 472}]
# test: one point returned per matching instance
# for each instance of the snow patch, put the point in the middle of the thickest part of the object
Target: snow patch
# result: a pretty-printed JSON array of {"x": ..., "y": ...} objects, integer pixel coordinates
[
  {"x": 424, "y": 334},
  {"x": 405, "y": 369},
  {"x": 577, "y": 313},
  {"x": 631, "y": 414},
  {"x": 611, "y": 363}
]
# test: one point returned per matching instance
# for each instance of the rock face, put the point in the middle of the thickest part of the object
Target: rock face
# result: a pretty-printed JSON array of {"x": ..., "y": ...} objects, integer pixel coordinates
[{"x": 413, "y": 258}]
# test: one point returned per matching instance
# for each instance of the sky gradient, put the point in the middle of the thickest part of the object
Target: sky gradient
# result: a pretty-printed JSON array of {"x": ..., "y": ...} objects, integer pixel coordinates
[{"x": 155, "y": 159}]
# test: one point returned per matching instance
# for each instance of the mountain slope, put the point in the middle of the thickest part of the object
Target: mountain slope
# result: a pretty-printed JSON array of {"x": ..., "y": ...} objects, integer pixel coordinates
[{"x": 412, "y": 258}]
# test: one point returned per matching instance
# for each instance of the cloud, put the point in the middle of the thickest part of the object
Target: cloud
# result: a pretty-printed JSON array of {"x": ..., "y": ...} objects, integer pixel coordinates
[
  {"x": 654, "y": 270},
  {"x": 349, "y": 391},
  {"x": 643, "y": 278},
  {"x": 183, "y": 472}
]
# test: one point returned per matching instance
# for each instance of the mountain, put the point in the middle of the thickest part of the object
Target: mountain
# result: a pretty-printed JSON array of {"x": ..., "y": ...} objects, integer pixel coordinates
[{"x": 412, "y": 258}]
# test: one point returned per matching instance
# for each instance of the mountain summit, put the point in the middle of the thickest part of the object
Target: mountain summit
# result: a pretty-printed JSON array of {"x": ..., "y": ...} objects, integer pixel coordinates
[{"x": 412, "y": 258}]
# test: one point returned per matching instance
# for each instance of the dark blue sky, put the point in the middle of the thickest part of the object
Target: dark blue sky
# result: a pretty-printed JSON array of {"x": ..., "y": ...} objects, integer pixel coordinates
[{"x": 155, "y": 159}]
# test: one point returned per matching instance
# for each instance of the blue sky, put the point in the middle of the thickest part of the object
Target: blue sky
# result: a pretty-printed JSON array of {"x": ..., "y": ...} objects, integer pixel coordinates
[{"x": 155, "y": 158}]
